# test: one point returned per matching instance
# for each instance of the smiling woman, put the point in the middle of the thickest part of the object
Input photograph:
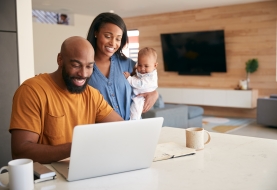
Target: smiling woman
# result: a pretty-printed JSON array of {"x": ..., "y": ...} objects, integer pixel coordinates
[{"x": 108, "y": 36}]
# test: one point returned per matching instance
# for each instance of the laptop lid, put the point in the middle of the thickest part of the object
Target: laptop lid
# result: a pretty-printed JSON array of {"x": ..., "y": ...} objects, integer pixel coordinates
[{"x": 109, "y": 148}]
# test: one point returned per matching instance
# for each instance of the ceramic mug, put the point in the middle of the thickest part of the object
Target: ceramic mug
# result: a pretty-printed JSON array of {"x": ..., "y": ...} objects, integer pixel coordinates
[
  {"x": 21, "y": 175},
  {"x": 195, "y": 137}
]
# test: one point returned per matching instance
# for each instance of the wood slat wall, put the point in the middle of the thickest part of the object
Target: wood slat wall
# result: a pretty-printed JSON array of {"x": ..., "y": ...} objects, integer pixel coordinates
[{"x": 250, "y": 32}]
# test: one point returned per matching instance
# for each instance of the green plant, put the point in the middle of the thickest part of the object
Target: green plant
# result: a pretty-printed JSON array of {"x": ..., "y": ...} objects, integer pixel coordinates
[{"x": 252, "y": 65}]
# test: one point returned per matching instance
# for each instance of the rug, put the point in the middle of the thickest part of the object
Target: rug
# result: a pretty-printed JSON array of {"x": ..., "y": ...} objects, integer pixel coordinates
[{"x": 225, "y": 125}]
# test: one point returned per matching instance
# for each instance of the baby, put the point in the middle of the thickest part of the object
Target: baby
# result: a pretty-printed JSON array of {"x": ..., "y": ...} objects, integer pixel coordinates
[{"x": 144, "y": 80}]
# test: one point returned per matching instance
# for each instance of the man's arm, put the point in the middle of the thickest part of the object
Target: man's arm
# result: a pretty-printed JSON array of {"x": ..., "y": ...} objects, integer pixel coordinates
[
  {"x": 113, "y": 116},
  {"x": 24, "y": 145}
]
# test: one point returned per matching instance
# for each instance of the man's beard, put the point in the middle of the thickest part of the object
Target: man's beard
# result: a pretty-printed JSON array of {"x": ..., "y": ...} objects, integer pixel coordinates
[{"x": 71, "y": 87}]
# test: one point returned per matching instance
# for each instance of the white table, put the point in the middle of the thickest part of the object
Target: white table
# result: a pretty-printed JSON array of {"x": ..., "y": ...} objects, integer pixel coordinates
[{"x": 227, "y": 162}]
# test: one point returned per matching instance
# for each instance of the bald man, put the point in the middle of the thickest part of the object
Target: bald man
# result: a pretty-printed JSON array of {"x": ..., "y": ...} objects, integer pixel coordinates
[{"x": 48, "y": 106}]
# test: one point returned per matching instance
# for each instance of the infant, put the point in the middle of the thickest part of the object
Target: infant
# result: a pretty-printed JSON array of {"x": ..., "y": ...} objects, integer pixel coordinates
[{"x": 144, "y": 80}]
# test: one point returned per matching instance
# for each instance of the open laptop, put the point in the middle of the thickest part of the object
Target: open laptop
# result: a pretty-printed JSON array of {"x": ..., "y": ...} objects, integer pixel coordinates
[{"x": 109, "y": 148}]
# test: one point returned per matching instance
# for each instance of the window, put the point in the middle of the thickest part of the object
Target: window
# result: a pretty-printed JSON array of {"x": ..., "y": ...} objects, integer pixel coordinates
[{"x": 133, "y": 48}]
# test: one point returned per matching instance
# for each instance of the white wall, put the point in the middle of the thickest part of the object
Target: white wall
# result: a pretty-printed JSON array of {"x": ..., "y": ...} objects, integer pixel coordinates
[
  {"x": 49, "y": 37},
  {"x": 25, "y": 39}
]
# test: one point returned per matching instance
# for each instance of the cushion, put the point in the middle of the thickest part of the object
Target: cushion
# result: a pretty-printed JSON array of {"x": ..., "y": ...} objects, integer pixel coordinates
[
  {"x": 159, "y": 103},
  {"x": 195, "y": 111},
  {"x": 273, "y": 96}
]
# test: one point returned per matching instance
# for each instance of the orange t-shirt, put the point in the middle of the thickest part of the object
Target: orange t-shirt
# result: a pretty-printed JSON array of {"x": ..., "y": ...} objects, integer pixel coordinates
[{"x": 41, "y": 106}]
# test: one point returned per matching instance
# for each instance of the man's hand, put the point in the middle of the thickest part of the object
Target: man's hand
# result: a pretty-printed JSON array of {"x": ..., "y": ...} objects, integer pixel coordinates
[
  {"x": 150, "y": 99},
  {"x": 126, "y": 74}
]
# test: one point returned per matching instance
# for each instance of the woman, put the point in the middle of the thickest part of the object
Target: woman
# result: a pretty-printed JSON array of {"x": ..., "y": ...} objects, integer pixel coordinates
[{"x": 108, "y": 36}]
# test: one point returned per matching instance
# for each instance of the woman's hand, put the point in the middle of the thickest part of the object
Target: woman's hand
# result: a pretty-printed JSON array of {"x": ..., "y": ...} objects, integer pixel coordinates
[{"x": 150, "y": 99}]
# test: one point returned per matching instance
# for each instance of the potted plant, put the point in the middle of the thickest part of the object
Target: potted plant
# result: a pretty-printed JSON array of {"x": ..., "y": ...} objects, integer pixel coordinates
[{"x": 251, "y": 66}]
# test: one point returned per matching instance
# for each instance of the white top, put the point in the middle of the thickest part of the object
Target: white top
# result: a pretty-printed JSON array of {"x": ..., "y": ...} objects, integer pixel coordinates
[
  {"x": 142, "y": 83},
  {"x": 228, "y": 162}
]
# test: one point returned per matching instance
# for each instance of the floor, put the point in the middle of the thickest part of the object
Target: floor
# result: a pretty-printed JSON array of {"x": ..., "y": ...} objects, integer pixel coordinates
[
  {"x": 256, "y": 130},
  {"x": 247, "y": 126}
]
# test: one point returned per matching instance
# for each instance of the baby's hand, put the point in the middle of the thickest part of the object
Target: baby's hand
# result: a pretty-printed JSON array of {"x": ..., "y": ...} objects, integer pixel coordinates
[{"x": 126, "y": 74}]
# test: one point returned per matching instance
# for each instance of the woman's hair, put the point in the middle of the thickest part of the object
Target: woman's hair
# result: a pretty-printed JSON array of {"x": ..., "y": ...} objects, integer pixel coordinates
[{"x": 105, "y": 18}]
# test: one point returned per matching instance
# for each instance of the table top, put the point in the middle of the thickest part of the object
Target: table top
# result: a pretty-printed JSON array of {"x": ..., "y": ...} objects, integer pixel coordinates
[{"x": 227, "y": 162}]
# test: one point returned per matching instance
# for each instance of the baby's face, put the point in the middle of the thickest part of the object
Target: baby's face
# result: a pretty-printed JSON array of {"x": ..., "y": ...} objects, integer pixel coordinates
[{"x": 146, "y": 64}]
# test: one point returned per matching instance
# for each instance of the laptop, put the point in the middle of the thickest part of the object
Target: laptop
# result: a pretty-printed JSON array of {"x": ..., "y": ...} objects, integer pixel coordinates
[{"x": 109, "y": 148}]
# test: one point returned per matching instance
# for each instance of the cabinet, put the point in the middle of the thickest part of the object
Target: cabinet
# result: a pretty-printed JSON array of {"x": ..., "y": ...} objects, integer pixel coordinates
[
  {"x": 7, "y": 15},
  {"x": 210, "y": 97},
  {"x": 9, "y": 73}
]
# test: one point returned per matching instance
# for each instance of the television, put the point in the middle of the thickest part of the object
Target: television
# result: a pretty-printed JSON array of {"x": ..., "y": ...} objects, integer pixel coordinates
[{"x": 194, "y": 53}]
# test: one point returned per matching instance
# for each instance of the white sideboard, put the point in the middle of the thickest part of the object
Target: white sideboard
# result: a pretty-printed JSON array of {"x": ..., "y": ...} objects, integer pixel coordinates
[{"x": 210, "y": 97}]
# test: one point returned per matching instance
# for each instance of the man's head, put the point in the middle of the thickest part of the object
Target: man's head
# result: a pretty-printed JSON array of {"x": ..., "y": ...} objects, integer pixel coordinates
[
  {"x": 147, "y": 60},
  {"x": 75, "y": 61}
]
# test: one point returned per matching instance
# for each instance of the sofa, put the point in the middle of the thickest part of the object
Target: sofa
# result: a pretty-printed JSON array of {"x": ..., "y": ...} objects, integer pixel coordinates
[
  {"x": 266, "y": 110},
  {"x": 175, "y": 115}
]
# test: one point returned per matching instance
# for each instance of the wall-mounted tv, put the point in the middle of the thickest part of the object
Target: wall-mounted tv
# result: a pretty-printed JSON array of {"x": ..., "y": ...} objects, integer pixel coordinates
[{"x": 194, "y": 53}]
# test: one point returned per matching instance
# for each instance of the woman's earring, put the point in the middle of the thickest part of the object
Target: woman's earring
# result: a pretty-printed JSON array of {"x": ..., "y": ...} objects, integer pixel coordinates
[{"x": 95, "y": 36}]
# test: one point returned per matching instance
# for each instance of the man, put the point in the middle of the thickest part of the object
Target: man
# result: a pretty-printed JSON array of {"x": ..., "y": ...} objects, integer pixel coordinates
[{"x": 48, "y": 106}]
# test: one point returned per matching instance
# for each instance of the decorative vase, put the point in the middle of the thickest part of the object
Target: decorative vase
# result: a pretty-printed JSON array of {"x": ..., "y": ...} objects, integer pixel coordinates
[
  {"x": 243, "y": 84},
  {"x": 248, "y": 81}
]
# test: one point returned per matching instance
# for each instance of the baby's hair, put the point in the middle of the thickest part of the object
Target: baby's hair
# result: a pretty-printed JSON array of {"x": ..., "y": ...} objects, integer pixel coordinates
[{"x": 148, "y": 51}]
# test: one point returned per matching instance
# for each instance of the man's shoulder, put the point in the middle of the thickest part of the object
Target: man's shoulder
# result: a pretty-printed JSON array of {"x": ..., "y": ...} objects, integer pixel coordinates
[
  {"x": 37, "y": 82},
  {"x": 38, "y": 79},
  {"x": 35, "y": 87}
]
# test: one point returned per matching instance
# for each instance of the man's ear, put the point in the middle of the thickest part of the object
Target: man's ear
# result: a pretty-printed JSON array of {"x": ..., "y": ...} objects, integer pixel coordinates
[{"x": 59, "y": 60}]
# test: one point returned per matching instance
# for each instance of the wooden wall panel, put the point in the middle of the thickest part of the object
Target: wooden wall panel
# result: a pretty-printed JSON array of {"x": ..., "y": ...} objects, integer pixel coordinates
[{"x": 250, "y": 32}]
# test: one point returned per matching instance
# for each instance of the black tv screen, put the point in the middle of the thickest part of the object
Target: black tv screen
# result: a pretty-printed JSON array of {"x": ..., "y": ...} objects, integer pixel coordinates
[{"x": 194, "y": 53}]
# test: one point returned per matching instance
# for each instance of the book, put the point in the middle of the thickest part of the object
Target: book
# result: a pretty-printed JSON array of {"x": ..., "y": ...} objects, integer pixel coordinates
[
  {"x": 37, "y": 180},
  {"x": 170, "y": 150}
]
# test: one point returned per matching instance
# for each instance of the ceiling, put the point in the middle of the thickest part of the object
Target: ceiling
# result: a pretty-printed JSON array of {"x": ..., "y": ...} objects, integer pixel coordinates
[{"x": 129, "y": 8}]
